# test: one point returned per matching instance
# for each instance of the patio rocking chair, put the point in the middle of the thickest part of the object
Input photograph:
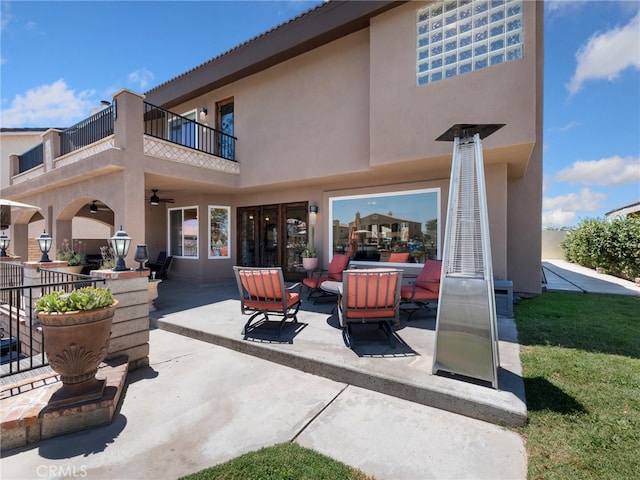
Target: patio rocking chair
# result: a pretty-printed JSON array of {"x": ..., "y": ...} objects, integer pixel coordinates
[
  {"x": 369, "y": 296},
  {"x": 263, "y": 292},
  {"x": 338, "y": 264},
  {"x": 424, "y": 290}
]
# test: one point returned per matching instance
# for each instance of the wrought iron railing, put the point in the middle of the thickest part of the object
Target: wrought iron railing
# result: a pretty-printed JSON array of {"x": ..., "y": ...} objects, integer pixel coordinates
[
  {"x": 88, "y": 131},
  {"x": 166, "y": 125},
  {"x": 22, "y": 339},
  {"x": 30, "y": 159}
]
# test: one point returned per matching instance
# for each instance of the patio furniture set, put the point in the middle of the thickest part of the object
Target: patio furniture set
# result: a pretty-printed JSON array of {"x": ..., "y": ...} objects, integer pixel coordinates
[{"x": 364, "y": 295}]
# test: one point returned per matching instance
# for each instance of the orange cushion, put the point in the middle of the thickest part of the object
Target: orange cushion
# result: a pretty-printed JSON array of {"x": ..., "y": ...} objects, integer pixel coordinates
[
  {"x": 338, "y": 264},
  {"x": 263, "y": 284},
  {"x": 429, "y": 277},
  {"x": 370, "y": 290},
  {"x": 399, "y": 257},
  {"x": 292, "y": 299},
  {"x": 314, "y": 282},
  {"x": 407, "y": 292}
]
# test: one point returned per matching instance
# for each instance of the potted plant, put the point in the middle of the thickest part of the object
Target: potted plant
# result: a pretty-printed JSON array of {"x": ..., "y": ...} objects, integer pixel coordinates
[
  {"x": 75, "y": 260},
  {"x": 77, "y": 329},
  {"x": 310, "y": 254}
]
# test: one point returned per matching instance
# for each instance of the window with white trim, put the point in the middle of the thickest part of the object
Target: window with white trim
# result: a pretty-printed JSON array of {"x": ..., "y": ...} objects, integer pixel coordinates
[
  {"x": 183, "y": 232},
  {"x": 455, "y": 37}
]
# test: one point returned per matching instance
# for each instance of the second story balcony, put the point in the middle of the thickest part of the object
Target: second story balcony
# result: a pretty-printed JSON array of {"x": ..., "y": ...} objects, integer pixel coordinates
[{"x": 164, "y": 134}]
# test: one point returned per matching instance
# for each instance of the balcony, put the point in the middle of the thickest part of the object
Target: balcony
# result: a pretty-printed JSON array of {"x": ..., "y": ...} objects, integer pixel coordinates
[{"x": 163, "y": 134}]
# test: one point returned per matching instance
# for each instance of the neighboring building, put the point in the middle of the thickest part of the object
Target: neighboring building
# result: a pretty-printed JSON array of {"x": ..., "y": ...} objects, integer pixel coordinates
[
  {"x": 632, "y": 210},
  {"x": 338, "y": 108}
]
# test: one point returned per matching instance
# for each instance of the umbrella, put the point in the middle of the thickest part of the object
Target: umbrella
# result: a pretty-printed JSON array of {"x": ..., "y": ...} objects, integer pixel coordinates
[{"x": 11, "y": 203}]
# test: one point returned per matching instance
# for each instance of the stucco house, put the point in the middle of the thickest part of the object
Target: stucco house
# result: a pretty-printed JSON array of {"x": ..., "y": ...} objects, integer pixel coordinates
[{"x": 338, "y": 109}]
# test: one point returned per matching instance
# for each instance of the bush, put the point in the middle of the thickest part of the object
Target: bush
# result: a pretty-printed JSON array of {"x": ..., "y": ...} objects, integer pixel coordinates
[{"x": 612, "y": 246}]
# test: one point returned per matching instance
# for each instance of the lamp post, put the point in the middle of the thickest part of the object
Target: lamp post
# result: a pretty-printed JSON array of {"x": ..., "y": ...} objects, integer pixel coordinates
[
  {"x": 120, "y": 243},
  {"x": 142, "y": 255},
  {"x": 44, "y": 243},
  {"x": 4, "y": 244}
]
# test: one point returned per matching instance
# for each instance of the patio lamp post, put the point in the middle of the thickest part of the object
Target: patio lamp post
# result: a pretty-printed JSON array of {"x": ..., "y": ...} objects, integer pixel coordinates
[
  {"x": 44, "y": 244},
  {"x": 4, "y": 244},
  {"x": 120, "y": 243}
]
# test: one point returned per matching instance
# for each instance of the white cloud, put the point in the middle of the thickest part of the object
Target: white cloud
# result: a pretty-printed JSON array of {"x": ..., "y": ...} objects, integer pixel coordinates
[
  {"x": 53, "y": 105},
  {"x": 607, "y": 54},
  {"x": 585, "y": 200},
  {"x": 558, "y": 218},
  {"x": 562, "y": 210},
  {"x": 141, "y": 78},
  {"x": 607, "y": 171}
]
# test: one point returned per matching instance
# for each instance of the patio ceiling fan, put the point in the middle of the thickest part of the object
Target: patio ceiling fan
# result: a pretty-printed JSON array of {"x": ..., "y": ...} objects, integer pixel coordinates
[
  {"x": 155, "y": 199},
  {"x": 94, "y": 207}
]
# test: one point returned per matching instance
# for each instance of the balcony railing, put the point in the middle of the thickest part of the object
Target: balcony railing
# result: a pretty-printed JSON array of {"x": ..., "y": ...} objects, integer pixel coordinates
[
  {"x": 30, "y": 159},
  {"x": 88, "y": 131},
  {"x": 166, "y": 125}
]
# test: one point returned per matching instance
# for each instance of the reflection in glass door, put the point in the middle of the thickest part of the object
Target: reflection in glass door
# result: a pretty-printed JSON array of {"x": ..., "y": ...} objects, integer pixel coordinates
[{"x": 272, "y": 236}]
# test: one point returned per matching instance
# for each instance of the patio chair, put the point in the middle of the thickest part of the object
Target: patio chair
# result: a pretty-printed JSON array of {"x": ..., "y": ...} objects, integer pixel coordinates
[
  {"x": 263, "y": 292},
  {"x": 338, "y": 264},
  {"x": 424, "y": 290},
  {"x": 162, "y": 269},
  {"x": 399, "y": 257},
  {"x": 369, "y": 296}
]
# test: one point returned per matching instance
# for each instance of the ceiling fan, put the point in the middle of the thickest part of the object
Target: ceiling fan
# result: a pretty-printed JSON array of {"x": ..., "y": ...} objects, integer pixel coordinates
[
  {"x": 155, "y": 199},
  {"x": 94, "y": 207}
]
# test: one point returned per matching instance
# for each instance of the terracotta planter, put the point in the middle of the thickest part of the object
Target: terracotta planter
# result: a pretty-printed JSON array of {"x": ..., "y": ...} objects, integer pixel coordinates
[
  {"x": 310, "y": 263},
  {"x": 152, "y": 287},
  {"x": 75, "y": 344},
  {"x": 73, "y": 269}
]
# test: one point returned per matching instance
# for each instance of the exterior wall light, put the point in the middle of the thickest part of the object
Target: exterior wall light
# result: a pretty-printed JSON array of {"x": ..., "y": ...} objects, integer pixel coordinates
[
  {"x": 313, "y": 212},
  {"x": 44, "y": 243},
  {"x": 120, "y": 243},
  {"x": 203, "y": 113},
  {"x": 142, "y": 255},
  {"x": 4, "y": 244}
]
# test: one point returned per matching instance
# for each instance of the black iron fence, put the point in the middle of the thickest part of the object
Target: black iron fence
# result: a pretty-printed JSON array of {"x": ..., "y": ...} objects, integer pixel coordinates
[
  {"x": 166, "y": 125},
  {"x": 22, "y": 338},
  {"x": 30, "y": 159},
  {"x": 88, "y": 131}
]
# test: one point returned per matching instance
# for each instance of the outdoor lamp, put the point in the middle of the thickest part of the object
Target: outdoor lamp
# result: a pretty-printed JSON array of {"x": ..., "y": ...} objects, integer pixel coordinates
[
  {"x": 44, "y": 243},
  {"x": 203, "y": 113},
  {"x": 142, "y": 255},
  {"x": 4, "y": 244},
  {"x": 120, "y": 243},
  {"x": 313, "y": 212},
  {"x": 93, "y": 208}
]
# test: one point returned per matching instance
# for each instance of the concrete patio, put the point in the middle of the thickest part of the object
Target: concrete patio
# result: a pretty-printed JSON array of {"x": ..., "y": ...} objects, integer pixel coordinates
[{"x": 211, "y": 312}]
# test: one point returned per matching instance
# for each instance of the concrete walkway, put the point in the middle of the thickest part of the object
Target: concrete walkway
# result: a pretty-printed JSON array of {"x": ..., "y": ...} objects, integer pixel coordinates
[
  {"x": 563, "y": 276},
  {"x": 199, "y": 404}
]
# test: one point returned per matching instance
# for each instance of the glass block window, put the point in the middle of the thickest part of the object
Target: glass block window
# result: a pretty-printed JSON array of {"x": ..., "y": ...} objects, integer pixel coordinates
[{"x": 460, "y": 36}]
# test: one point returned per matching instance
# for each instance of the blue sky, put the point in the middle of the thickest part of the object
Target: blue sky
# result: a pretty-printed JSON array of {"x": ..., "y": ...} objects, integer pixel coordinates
[{"x": 59, "y": 59}]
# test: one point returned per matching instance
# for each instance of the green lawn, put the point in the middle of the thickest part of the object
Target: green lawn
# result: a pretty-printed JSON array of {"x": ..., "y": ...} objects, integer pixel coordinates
[
  {"x": 285, "y": 461},
  {"x": 581, "y": 364}
]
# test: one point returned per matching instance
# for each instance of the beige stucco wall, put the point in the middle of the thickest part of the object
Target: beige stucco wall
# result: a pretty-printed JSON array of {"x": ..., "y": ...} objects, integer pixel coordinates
[
  {"x": 344, "y": 116},
  {"x": 12, "y": 142}
]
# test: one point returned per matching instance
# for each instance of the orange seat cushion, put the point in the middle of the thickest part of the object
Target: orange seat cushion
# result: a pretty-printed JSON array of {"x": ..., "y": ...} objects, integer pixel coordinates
[
  {"x": 407, "y": 292},
  {"x": 370, "y": 295},
  {"x": 337, "y": 266},
  {"x": 292, "y": 299}
]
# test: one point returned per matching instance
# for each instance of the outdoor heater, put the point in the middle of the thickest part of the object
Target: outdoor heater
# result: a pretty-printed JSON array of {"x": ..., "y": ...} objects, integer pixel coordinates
[{"x": 466, "y": 323}]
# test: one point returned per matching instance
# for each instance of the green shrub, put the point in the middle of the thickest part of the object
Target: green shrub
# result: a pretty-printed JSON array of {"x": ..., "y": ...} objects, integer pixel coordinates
[
  {"x": 613, "y": 246},
  {"x": 87, "y": 298}
]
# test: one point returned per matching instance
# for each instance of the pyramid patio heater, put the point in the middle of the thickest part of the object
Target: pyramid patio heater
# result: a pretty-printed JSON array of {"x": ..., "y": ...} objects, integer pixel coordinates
[{"x": 466, "y": 323}]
